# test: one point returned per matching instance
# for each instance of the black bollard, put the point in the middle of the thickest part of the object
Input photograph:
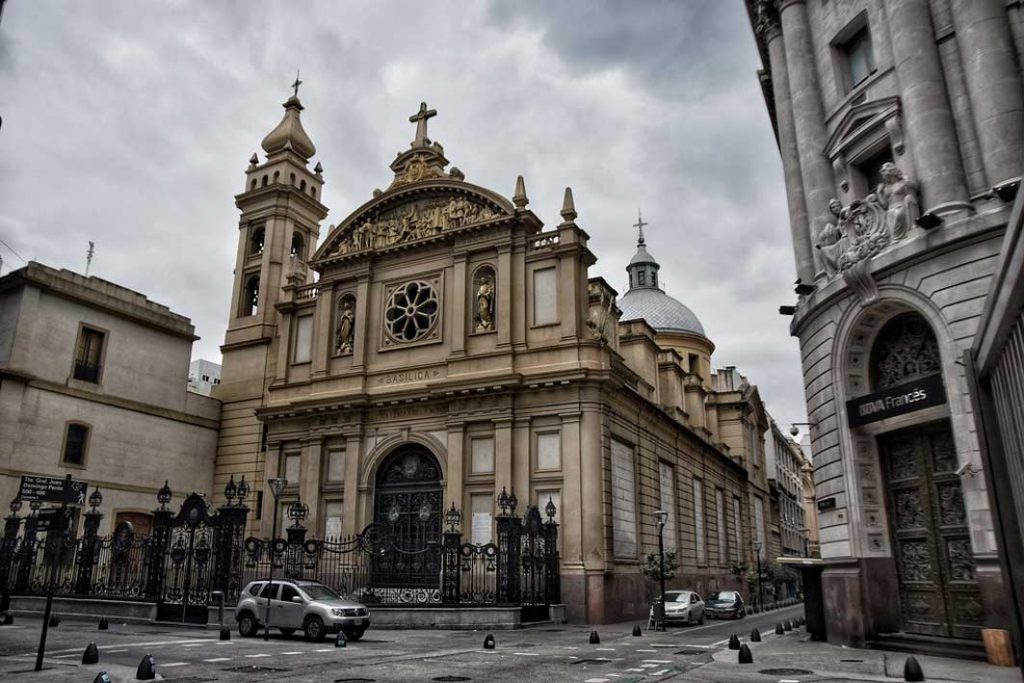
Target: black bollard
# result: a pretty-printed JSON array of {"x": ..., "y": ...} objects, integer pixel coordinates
[
  {"x": 340, "y": 640},
  {"x": 787, "y": 626},
  {"x": 54, "y": 621},
  {"x": 636, "y": 630},
  {"x": 91, "y": 654},
  {"x": 102, "y": 677},
  {"x": 104, "y": 624},
  {"x": 147, "y": 669},
  {"x": 779, "y": 630},
  {"x": 912, "y": 670},
  {"x": 594, "y": 638},
  {"x": 746, "y": 657},
  {"x": 734, "y": 642},
  {"x": 489, "y": 642},
  {"x": 755, "y": 636},
  {"x": 225, "y": 633},
  {"x": 8, "y": 619}
]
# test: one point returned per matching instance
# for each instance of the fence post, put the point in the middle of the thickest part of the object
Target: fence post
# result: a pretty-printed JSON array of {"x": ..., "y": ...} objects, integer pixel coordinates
[
  {"x": 451, "y": 544},
  {"x": 7, "y": 547},
  {"x": 158, "y": 543},
  {"x": 27, "y": 551},
  {"x": 552, "y": 578},
  {"x": 87, "y": 557},
  {"x": 231, "y": 519},
  {"x": 510, "y": 531}
]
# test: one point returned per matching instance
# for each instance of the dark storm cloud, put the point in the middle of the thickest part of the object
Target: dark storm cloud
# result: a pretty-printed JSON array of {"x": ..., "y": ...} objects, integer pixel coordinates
[{"x": 131, "y": 124}]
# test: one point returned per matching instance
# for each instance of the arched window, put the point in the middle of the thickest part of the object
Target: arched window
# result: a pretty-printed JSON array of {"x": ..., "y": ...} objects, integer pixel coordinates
[
  {"x": 264, "y": 181},
  {"x": 904, "y": 350},
  {"x": 293, "y": 178},
  {"x": 256, "y": 238},
  {"x": 277, "y": 175},
  {"x": 312, "y": 191},
  {"x": 297, "y": 247},
  {"x": 302, "y": 185},
  {"x": 253, "y": 185},
  {"x": 250, "y": 296}
]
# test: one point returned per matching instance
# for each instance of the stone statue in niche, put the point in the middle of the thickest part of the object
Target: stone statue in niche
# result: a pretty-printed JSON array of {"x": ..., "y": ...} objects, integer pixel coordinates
[
  {"x": 345, "y": 329},
  {"x": 483, "y": 317},
  {"x": 898, "y": 196},
  {"x": 832, "y": 239}
]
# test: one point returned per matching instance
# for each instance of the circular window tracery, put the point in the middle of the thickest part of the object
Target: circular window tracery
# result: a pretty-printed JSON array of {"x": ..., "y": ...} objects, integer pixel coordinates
[{"x": 411, "y": 311}]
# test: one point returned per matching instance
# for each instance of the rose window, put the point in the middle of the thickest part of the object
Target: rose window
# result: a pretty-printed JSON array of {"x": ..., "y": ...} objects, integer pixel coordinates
[{"x": 411, "y": 311}]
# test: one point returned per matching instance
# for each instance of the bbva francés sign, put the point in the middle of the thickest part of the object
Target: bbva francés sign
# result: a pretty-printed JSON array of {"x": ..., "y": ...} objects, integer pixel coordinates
[{"x": 908, "y": 397}]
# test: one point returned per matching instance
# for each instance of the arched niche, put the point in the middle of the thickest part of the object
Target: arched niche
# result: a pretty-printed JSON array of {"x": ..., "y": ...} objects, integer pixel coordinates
[
  {"x": 483, "y": 300},
  {"x": 345, "y": 324}
]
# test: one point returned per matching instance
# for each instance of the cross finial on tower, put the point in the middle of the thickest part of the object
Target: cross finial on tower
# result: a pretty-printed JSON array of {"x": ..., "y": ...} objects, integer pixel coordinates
[
  {"x": 420, "y": 119},
  {"x": 297, "y": 83},
  {"x": 639, "y": 225}
]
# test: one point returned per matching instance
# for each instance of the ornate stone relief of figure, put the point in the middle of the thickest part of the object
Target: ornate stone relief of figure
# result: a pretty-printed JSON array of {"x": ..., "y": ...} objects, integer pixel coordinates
[
  {"x": 831, "y": 240},
  {"x": 898, "y": 196},
  {"x": 483, "y": 316},
  {"x": 413, "y": 221},
  {"x": 345, "y": 328}
]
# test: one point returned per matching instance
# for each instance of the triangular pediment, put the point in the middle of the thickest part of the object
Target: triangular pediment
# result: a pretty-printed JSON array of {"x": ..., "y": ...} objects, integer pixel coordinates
[
  {"x": 418, "y": 212},
  {"x": 859, "y": 119}
]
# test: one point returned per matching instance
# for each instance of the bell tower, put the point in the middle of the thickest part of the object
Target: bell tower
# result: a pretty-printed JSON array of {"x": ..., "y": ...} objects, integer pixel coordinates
[{"x": 277, "y": 234}]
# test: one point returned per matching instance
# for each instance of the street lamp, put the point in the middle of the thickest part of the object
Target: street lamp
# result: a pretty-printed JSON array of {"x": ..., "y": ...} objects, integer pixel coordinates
[
  {"x": 276, "y": 488},
  {"x": 760, "y": 592},
  {"x": 662, "y": 516}
]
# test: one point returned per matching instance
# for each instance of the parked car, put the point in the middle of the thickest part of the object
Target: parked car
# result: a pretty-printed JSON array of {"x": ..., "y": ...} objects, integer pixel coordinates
[
  {"x": 307, "y": 605},
  {"x": 683, "y": 606},
  {"x": 722, "y": 604}
]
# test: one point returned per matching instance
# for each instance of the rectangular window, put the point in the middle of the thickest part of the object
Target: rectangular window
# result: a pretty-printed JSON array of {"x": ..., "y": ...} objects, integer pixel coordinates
[
  {"x": 545, "y": 297},
  {"x": 480, "y": 505},
  {"x": 641, "y": 280},
  {"x": 303, "y": 338},
  {"x": 698, "y": 521},
  {"x": 693, "y": 362},
  {"x": 336, "y": 465},
  {"x": 737, "y": 529},
  {"x": 871, "y": 168},
  {"x": 88, "y": 355},
  {"x": 74, "y": 444},
  {"x": 723, "y": 540},
  {"x": 291, "y": 468},
  {"x": 549, "y": 451},
  {"x": 859, "y": 57},
  {"x": 667, "y": 482},
  {"x": 482, "y": 455},
  {"x": 332, "y": 519},
  {"x": 624, "y": 540}
]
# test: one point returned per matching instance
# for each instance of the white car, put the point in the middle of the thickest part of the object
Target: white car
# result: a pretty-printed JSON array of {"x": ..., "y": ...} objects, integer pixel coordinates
[{"x": 683, "y": 606}]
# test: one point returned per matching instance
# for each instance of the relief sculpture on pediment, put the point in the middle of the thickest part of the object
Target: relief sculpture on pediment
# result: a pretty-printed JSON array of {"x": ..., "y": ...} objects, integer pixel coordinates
[{"x": 413, "y": 221}]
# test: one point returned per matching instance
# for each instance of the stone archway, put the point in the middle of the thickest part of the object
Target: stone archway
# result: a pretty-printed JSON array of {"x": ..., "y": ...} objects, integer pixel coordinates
[{"x": 408, "y": 496}]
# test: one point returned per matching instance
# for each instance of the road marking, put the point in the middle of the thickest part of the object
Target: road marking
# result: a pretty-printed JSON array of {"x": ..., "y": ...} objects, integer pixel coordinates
[
  {"x": 192, "y": 645},
  {"x": 605, "y": 649},
  {"x": 662, "y": 672},
  {"x": 153, "y": 643},
  {"x": 62, "y": 656},
  {"x": 325, "y": 649},
  {"x": 296, "y": 652},
  {"x": 659, "y": 661},
  {"x": 527, "y": 654},
  {"x": 168, "y": 666},
  {"x": 648, "y": 666},
  {"x": 218, "y": 659},
  {"x": 111, "y": 652},
  {"x": 646, "y": 650},
  {"x": 596, "y": 680},
  {"x": 226, "y": 642},
  {"x": 666, "y": 645},
  {"x": 262, "y": 654}
]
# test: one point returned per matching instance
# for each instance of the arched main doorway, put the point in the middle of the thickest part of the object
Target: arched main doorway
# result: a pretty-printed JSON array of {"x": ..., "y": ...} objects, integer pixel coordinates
[
  {"x": 408, "y": 496},
  {"x": 927, "y": 518}
]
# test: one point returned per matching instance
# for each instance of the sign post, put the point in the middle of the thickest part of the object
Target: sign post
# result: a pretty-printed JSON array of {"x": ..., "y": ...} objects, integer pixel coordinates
[{"x": 63, "y": 491}]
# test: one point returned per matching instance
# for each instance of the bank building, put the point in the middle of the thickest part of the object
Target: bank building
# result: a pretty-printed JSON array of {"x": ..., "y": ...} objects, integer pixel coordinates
[{"x": 440, "y": 345}]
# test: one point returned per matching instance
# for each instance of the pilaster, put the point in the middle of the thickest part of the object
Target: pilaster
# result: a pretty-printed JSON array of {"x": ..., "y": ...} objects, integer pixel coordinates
[
  {"x": 310, "y": 473},
  {"x": 503, "y": 458},
  {"x": 454, "y": 479},
  {"x": 504, "y": 285}
]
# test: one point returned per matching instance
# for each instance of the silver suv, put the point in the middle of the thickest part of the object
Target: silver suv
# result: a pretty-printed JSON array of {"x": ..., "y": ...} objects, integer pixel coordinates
[{"x": 307, "y": 605}]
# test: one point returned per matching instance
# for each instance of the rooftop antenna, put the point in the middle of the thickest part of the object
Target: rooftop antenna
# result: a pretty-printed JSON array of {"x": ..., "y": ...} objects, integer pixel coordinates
[{"x": 88, "y": 257}]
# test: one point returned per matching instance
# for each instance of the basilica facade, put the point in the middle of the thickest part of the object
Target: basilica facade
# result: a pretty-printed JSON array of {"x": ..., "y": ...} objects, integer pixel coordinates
[{"x": 440, "y": 345}]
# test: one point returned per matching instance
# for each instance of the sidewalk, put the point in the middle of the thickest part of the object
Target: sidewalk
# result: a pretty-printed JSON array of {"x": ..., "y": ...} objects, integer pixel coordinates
[{"x": 832, "y": 662}]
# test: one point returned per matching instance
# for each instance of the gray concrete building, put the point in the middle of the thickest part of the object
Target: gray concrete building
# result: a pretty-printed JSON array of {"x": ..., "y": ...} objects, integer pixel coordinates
[
  {"x": 783, "y": 462},
  {"x": 92, "y": 384},
  {"x": 899, "y": 124}
]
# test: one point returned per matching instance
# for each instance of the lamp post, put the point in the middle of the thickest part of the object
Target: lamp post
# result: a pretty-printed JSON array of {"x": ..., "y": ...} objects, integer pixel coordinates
[
  {"x": 760, "y": 592},
  {"x": 276, "y": 488},
  {"x": 662, "y": 516}
]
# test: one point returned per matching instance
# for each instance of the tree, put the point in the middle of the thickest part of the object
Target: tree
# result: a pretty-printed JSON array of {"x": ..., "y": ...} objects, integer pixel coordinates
[{"x": 653, "y": 568}]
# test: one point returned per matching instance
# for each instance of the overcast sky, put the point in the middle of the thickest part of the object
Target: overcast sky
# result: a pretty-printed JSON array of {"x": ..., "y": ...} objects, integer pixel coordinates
[{"x": 130, "y": 123}]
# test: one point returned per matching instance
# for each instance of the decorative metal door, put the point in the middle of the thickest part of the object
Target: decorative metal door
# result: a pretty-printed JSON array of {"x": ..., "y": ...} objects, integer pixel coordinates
[
  {"x": 931, "y": 540},
  {"x": 189, "y": 563},
  {"x": 407, "y": 521}
]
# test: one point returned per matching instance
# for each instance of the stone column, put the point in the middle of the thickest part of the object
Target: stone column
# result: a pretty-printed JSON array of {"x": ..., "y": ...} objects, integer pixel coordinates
[
  {"x": 271, "y": 469},
  {"x": 799, "y": 228},
  {"x": 323, "y": 333},
  {"x": 808, "y": 115},
  {"x": 585, "y": 434},
  {"x": 931, "y": 132},
  {"x": 362, "y": 327},
  {"x": 458, "y": 345},
  {"x": 574, "y": 491},
  {"x": 993, "y": 83},
  {"x": 350, "y": 522},
  {"x": 310, "y": 474}
]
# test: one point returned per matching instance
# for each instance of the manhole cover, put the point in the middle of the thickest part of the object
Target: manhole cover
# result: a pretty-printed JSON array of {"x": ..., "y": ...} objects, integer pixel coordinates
[
  {"x": 596, "y": 660},
  {"x": 452, "y": 678},
  {"x": 690, "y": 652},
  {"x": 785, "y": 672},
  {"x": 255, "y": 668}
]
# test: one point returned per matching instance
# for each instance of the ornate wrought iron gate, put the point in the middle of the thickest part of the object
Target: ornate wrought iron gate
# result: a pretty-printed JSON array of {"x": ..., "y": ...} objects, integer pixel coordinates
[{"x": 931, "y": 541}]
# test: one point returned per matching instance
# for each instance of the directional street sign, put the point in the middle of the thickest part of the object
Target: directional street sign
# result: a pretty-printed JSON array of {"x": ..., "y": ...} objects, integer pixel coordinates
[{"x": 51, "y": 490}]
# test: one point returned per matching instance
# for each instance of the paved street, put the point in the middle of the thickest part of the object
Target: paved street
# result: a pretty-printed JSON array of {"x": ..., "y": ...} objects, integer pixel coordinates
[{"x": 554, "y": 653}]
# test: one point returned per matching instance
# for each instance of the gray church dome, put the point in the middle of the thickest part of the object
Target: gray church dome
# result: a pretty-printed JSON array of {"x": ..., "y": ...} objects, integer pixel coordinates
[{"x": 646, "y": 300}]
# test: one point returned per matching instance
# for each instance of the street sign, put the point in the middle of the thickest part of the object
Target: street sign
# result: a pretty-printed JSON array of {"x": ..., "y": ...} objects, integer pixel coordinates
[
  {"x": 51, "y": 490},
  {"x": 46, "y": 520}
]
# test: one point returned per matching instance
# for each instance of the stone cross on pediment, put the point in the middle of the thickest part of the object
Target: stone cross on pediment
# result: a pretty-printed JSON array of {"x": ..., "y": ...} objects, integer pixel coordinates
[{"x": 420, "y": 119}]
